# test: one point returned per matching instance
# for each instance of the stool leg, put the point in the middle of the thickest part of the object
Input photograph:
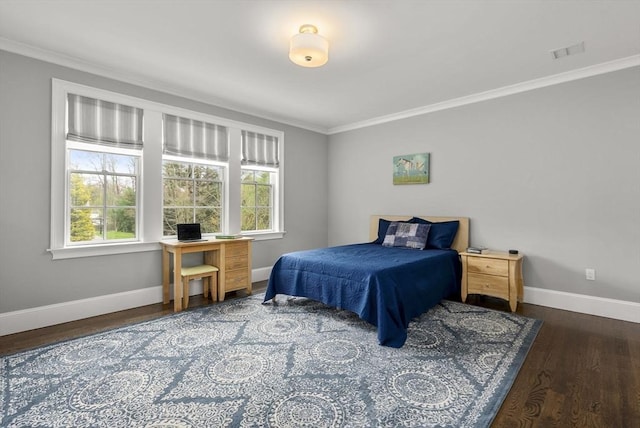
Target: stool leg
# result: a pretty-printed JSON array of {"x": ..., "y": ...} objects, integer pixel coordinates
[
  {"x": 205, "y": 287},
  {"x": 185, "y": 293},
  {"x": 214, "y": 287}
]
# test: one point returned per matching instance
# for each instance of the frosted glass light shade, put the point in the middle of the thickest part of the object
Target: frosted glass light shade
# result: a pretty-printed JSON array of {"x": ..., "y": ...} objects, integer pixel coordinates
[{"x": 309, "y": 49}]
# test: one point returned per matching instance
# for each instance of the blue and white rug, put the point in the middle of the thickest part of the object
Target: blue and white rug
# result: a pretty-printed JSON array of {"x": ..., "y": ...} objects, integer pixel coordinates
[{"x": 295, "y": 364}]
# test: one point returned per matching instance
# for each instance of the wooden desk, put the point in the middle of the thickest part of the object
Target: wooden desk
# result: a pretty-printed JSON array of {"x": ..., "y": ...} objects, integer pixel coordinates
[{"x": 231, "y": 256}]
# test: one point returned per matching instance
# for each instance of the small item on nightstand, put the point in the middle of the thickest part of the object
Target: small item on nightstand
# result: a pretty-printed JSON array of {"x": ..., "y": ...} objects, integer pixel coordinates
[
  {"x": 514, "y": 252},
  {"x": 476, "y": 250}
]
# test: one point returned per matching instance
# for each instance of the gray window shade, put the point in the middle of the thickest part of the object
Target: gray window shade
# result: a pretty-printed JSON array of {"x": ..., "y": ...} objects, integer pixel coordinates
[
  {"x": 102, "y": 122},
  {"x": 259, "y": 149},
  {"x": 195, "y": 139}
]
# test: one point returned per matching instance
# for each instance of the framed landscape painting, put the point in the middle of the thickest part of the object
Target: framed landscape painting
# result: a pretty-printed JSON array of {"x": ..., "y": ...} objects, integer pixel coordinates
[{"x": 411, "y": 169}]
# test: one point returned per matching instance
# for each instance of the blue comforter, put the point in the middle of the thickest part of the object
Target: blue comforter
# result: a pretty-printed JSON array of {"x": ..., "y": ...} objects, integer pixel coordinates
[{"x": 385, "y": 286}]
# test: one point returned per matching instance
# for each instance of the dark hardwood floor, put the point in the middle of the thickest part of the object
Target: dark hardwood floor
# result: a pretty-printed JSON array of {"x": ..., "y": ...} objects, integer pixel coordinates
[{"x": 582, "y": 371}]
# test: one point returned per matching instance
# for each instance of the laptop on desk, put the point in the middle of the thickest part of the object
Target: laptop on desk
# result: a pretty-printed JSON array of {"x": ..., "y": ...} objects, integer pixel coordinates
[{"x": 189, "y": 232}]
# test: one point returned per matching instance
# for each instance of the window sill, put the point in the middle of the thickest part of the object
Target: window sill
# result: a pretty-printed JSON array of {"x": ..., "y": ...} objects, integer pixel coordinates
[
  {"x": 102, "y": 250},
  {"x": 264, "y": 236},
  {"x": 134, "y": 247}
]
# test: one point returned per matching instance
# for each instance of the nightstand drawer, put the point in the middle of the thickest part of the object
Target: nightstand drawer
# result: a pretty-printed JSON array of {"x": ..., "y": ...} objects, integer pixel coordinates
[
  {"x": 490, "y": 285},
  {"x": 488, "y": 266}
]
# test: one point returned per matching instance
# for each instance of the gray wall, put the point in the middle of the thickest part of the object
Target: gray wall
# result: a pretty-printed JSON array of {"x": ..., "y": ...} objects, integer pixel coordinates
[
  {"x": 553, "y": 172},
  {"x": 28, "y": 276}
]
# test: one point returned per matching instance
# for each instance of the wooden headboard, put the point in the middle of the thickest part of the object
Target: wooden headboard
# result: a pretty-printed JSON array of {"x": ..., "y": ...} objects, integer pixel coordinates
[{"x": 460, "y": 243}]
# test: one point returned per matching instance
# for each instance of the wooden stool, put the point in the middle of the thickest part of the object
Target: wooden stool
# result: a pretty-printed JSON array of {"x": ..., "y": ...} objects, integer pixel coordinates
[{"x": 209, "y": 276}]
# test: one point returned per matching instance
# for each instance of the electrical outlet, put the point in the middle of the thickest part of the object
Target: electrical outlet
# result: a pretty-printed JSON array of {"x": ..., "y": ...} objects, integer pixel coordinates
[{"x": 590, "y": 274}]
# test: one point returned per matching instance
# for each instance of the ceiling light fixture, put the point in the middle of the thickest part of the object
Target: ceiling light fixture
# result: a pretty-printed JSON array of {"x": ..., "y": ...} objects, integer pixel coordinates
[{"x": 308, "y": 48}]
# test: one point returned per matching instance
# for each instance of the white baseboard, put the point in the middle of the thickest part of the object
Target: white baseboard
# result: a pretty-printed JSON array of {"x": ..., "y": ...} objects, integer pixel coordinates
[
  {"x": 260, "y": 274},
  {"x": 599, "y": 306},
  {"x": 44, "y": 316}
]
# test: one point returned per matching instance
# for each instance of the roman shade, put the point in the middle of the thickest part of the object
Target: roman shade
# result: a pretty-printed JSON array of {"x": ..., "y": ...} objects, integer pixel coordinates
[
  {"x": 259, "y": 149},
  {"x": 102, "y": 122},
  {"x": 194, "y": 138}
]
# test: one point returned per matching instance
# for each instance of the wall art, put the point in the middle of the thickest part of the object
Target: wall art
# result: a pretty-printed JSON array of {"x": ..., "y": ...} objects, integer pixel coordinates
[{"x": 411, "y": 169}]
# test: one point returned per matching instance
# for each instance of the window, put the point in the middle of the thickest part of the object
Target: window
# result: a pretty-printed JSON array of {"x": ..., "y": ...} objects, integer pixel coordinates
[
  {"x": 103, "y": 202},
  {"x": 257, "y": 200},
  {"x": 104, "y": 143},
  {"x": 192, "y": 194},
  {"x": 125, "y": 171},
  {"x": 192, "y": 182},
  {"x": 260, "y": 160}
]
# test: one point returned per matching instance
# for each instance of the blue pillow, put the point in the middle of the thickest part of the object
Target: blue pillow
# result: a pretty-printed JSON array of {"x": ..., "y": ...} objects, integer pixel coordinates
[
  {"x": 441, "y": 235},
  {"x": 383, "y": 225},
  {"x": 407, "y": 235}
]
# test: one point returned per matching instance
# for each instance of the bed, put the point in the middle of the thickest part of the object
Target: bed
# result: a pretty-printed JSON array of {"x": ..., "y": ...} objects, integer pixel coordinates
[{"x": 386, "y": 286}]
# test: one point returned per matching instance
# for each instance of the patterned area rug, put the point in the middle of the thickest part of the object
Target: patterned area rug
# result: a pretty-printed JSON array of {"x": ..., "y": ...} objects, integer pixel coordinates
[{"x": 298, "y": 363}]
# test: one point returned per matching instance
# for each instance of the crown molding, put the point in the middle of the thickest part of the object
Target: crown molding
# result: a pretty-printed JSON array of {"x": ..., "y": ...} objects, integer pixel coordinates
[
  {"x": 581, "y": 73},
  {"x": 145, "y": 82},
  {"x": 139, "y": 80}
]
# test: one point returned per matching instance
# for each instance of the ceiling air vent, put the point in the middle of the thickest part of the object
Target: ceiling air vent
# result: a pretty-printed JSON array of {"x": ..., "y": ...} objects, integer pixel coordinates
[{"x": 569, "y": 50}]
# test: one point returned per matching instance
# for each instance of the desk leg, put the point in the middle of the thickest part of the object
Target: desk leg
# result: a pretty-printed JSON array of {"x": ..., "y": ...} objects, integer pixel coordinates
[
  {"x": 249, "y": 268},
  {"x": 222, "y": 260},
  {"x": 177, "y": 280},
  {"x": 165, "y": 275}
]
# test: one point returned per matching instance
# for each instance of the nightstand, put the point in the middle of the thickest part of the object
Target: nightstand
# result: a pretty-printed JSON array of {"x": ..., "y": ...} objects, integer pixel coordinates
[{"x": 494, "y": 273}]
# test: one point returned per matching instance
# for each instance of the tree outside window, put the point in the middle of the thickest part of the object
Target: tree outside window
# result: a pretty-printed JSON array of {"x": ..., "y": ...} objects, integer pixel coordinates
[
  {"x": 103, "y": 196},
  {"x": 192, "y": 194},
  {"x": 257, "y": 200}
]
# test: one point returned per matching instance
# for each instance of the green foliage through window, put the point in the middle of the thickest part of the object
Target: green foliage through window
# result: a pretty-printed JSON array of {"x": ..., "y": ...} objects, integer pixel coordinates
[
  {"x": 103, "y": 201},
  {"x": 192, "y": 194},
  {"x": 256, "y": 200}
]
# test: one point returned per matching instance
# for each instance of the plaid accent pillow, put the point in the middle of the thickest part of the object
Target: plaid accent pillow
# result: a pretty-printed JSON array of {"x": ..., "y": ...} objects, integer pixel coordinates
[{"x": 408, "y": 235}]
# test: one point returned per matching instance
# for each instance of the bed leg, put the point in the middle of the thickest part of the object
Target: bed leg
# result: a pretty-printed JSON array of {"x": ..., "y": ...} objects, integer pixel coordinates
[{"x": 273, "y": 301}]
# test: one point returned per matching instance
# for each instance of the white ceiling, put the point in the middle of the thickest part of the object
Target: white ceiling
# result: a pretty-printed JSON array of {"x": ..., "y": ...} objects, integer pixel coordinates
[{"x": 387, "y": 57}]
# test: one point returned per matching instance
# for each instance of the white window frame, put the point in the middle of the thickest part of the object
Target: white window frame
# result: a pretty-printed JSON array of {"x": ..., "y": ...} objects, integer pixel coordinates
[{"x": 151, "y": 192}]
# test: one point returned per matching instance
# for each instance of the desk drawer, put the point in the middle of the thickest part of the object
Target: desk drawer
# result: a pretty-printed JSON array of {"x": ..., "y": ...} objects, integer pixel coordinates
[
  {"x": 237, "y": 249},
  {"x": 235, "y": 263},
  {"x": 236, "y": 280},
  {"x": 488, "y": 266},
  {"x": 490, "y": 285}
]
